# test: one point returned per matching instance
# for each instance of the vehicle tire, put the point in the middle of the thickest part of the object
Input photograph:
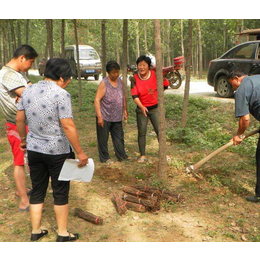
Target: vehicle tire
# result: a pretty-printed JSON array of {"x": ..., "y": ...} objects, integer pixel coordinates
[
  {"x": 86, "y": 78},
  {"x": 96, "y": 77},
  {"x": 174, "y": 79},
  {"x": 224, "y": 89}
]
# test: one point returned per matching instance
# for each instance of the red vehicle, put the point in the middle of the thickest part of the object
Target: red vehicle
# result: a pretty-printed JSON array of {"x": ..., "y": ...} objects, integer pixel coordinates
[{"x": 171, "y": 73}]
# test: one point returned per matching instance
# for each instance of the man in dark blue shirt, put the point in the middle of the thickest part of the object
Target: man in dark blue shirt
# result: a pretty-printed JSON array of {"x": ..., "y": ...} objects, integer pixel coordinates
[{"x": 247, "y": 101}]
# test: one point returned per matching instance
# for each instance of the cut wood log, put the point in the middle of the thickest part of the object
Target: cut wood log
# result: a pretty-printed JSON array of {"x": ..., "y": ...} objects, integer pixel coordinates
[
  {"x": 135, "y": 207},
  {"x": 150, "y": 204},
  {"x": 119, "y": 204},
  {"x": 88, "y": 216},
  {"x": 153, "y": 191},
  {"x": 135, "y": 192},
  {"x": 172, "y": 196}
]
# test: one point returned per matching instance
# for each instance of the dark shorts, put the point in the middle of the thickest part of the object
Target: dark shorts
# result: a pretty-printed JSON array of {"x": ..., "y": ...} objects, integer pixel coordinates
[{"x": 43, "y": 167}]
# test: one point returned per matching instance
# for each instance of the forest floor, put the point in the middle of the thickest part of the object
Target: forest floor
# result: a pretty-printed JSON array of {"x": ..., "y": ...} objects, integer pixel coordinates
[{"x": 214, "y": 207}]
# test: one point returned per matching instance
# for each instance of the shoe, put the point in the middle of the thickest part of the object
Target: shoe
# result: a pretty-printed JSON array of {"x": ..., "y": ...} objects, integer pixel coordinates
[
  {"x": 67, "y": 238},
  {"x": 253, "y": 199},
  {"x": 25, "y": 210},
  {"x": 35, "y": 237}
]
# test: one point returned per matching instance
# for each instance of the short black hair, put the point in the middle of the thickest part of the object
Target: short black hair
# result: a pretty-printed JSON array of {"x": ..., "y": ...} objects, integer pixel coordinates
[
  {"x": 27, "y": 51},
  {"x": 112, "y": 65},
  {"x": 236, "y": 73},
  {"x": 56, "y": 68},
  {"x": 144, "y": 58}
]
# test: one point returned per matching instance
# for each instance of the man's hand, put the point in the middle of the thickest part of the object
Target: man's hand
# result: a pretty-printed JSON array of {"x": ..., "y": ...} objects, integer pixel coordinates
[
  {"x": 237, "y": 139},
  {"x": 125, "y": 115},
  {"x": 83, "y": 159}
]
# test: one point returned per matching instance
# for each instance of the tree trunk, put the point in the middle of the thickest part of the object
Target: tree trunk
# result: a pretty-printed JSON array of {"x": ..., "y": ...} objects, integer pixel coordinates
[
  {"x": 145, "y": 37},
  {"x": 200, "y": 50},
  {"x": 13, "y": 35},
  {"x": 19, "y": 36},
  {"x": 78, "y": 66},
  {"x": 49, "y": 38},
  {"x": 182, "y": 45},
  {"x": 137, "y": 38},
  {"x": 27, "y": 31},
  {"x": 187, "y": 82},
  {"x": 162, "y": 125},
  {"x": 5, "y": 53},
  {"x": 117, "y": 43},
  {"x": 168, "y": 42},
  {"x": 103, "y": 31},
  {"x": 62, "y": 38},
  {"x": 124, "y": 65}
]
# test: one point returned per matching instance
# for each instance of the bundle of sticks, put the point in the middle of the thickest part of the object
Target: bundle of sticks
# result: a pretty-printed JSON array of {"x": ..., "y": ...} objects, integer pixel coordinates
[
  {"x": 88, "y": 216},
  {"x": 143, "y": 198}
]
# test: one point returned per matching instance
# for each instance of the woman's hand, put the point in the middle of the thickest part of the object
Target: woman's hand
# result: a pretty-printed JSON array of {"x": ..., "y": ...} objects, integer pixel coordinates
[
  {"x": 23, "y": 146},
  {"x": 144, "y": 110},
  {"x": 100, "y": 121},
  {"x": 125, "y": 115},
  {"x": 83, "y": 159}
]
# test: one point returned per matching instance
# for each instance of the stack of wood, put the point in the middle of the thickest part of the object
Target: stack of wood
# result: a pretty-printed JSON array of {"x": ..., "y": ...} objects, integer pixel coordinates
[{"x": 142, "y": 199}]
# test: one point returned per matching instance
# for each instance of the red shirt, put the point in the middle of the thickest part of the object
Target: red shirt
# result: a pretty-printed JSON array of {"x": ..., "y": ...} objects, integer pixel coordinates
[{"x": 146, "y": 90}]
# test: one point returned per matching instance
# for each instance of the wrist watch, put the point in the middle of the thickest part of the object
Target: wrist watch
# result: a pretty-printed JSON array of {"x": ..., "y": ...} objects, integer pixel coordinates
[{"x": 241, "y": 136}]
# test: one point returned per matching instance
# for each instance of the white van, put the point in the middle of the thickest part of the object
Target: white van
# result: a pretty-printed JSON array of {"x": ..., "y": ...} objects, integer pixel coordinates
[{"x": 89, "y": 61}]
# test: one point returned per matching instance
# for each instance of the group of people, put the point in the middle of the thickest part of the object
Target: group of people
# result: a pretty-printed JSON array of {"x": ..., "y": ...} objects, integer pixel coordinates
[{"x": 39, "y": 121}]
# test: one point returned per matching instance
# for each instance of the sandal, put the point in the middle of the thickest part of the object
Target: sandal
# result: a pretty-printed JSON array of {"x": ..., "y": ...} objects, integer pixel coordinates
[
  {"x": 142, "y": 160},
  {"x": 35, "y": 237},
  {"x": 109, "y": 161},
  {"x": 67, "y": 238}
]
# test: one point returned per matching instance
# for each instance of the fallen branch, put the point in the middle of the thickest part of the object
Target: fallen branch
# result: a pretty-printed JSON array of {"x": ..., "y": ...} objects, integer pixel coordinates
[{"x": 88, "y": 216}]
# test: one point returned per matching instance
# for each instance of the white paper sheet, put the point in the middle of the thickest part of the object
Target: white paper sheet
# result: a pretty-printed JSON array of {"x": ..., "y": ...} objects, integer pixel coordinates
[{"x": 71, "y": 171}]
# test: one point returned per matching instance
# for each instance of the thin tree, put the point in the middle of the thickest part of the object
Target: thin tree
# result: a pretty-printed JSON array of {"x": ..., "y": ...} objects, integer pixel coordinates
[
  {"x": 182, "y": 45},
  {"x": 161, "y": 109},
  {"x": 5, "y": 51},
  {"x": 124, "y": 64},
  {"x": 62, "y": 38},
  {"x": 187, "y": 82},
  {"x": 19, "y": 37},
  {"x": 199, "y": 50},
  {"x": 27, "y": 31},
  {"x": 103, "y": 32},
  {"x": 137, "y": 38},
  {"x": 78, "y": 66}
]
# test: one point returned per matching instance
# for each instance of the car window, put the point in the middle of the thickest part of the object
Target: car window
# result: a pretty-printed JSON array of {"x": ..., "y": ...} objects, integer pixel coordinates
[{"x": 246, "y": 51}]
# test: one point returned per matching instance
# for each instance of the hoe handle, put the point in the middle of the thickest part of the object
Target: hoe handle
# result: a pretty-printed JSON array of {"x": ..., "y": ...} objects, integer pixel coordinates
[{"x": 201, "y": 162}]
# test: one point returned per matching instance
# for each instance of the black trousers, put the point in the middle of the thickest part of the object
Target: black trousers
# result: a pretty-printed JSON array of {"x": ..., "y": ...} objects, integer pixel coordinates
[
  {"x": 42, "y": 167},
  {"x": 117, "y": 135},
  {"x": 257, "y": 188},
  {"x": 142, "y": 122}
]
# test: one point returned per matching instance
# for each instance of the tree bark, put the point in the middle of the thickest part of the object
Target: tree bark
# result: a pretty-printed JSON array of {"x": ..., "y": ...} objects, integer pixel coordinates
[
  {"x": 103, "y": 29},
  {"x": 5, "y": 53},
  {"x": 78, "y": 66},
  {"x": 162, "y": 125},
  {"x": 187, "y": 82},
  {"x": 137, "y": 38},
  {"x": 168, "y": 42},
  {"x": 27, "y": 31},
  {"x": 13, "y": 35},
  {"x": 124, "y": 65},
  {"x": 200, "y": 50},
  {"x": 182, "y": 45},
  {"x": 62, "y": 38},
  {"x": 19, "y": 36}
]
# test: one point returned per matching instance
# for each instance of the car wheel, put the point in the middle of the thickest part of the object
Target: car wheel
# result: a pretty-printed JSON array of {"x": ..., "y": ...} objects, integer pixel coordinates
[
  {"x": 86, "y": 77},
  {"x": 224, "y": 89},
  {"x": 96, "y": 77}
]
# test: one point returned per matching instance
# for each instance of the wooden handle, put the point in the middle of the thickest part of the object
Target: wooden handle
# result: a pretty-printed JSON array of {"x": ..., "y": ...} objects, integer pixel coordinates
[{"x": 201, "y": 162}]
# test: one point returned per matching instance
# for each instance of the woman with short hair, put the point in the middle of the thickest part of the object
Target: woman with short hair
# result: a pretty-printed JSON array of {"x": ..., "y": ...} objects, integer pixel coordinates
[
  {"x": 111, "y": 107},
  {"x": 46, "y": 106},
  {"x": 144, "y": 94}
]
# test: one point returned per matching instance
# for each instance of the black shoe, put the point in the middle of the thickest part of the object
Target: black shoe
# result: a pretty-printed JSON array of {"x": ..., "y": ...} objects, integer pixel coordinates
[
  {"x": 253, "y": 199},
  {"x": 35, "y": 237},
  {"x": 67, "y": 238}
]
